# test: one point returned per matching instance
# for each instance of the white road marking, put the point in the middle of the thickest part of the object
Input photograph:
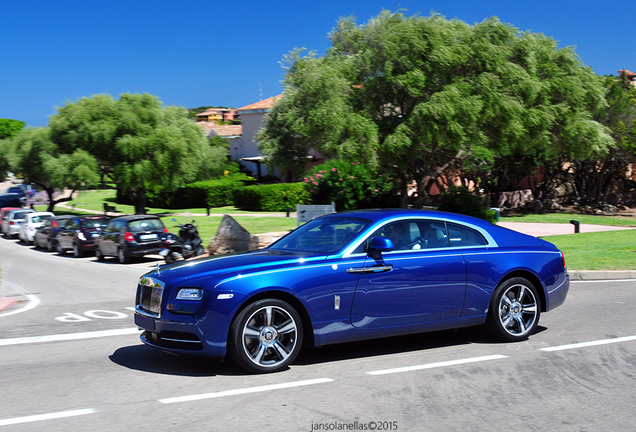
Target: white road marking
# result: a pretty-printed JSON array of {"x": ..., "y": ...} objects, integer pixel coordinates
[
  {"x": 589, "y": 344},
  {"x": 436, "y": 365},
  {"x": 51, "y": 416},
  {"x": 68, "y": 336},
  {"x": 244, "y": 391},
  {"x": 33, "y": 300}
]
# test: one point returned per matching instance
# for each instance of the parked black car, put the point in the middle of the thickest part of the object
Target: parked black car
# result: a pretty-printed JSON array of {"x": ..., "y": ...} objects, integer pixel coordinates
[
  {"x": 11, "y": 200},
  {"x": 128, "y": 237},
  {"x": 46, "y": 235},
  {"x": 79, "y": 234}
]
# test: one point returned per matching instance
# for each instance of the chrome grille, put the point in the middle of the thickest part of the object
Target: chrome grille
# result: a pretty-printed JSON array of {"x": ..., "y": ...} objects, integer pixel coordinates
[{"x": 149, "y": 293}]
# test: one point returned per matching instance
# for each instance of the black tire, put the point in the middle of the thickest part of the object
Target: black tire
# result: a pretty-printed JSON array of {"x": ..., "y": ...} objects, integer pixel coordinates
[
  {"x": 98, "y": 254},
  {"x": 266, "y": 336},
  {"x": 77, "y": 252},
  {"x": 122, "y": 256},
  {"x": 199, "y": 251},
  {"x": 514, "y": 310},
  {"x": 169, "y": 258}
]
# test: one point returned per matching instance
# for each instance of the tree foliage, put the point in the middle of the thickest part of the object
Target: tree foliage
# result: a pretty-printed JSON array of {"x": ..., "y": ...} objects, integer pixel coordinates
[
  {"x": 146, "y": 149},
  {"x": 428, "y": 98},
  {"x": 39, "y": 160}
]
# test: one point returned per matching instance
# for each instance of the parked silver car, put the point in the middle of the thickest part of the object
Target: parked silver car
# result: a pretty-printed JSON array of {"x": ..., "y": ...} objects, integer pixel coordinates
[
  {"x": 30, "y": 223},
  {"x": 13, "y": 220}
]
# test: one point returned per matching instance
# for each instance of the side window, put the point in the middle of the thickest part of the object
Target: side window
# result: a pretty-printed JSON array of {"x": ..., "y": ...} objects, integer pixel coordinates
[
  {"x": 412, "y": 235},
  {"x": 461, "y": 236}
]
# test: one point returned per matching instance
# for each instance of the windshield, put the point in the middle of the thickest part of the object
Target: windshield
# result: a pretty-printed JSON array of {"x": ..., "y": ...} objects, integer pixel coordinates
[{"x": 321, "y": 235}]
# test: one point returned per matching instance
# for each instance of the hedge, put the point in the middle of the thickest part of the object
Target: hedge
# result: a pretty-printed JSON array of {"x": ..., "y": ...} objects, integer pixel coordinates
[
  {"x": 271, "y": 197},
  {"x": 209, "y": 193}
]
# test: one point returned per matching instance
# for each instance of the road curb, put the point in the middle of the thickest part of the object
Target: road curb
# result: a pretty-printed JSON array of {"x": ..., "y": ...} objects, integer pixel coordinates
[{"x": 601, "y": 274}]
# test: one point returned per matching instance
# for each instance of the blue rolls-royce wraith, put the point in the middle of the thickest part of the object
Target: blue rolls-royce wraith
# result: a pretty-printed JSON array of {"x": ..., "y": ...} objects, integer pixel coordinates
[{"x": 351, "y": 276}]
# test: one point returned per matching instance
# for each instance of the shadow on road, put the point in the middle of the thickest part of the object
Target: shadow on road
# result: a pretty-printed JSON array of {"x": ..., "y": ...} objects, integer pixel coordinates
[{"x": 147, "y": 359}]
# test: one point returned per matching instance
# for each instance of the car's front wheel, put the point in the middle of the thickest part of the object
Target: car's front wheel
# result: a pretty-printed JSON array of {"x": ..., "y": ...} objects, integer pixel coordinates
[
  {"x": 98, "y": 254},
  {"x": 514, "y": 311},
  {"x": 266, "y": 336},
  {"x": 77, "y": 252}
]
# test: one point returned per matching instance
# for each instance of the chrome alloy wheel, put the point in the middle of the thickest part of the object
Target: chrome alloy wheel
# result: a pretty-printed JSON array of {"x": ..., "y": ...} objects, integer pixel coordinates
[
  {"x": 518, "y": 310},
  {"x": 270, "y": 336}
]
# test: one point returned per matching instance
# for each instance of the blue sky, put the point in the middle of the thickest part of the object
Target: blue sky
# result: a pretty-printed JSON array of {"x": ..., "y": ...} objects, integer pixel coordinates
[{"x": 198, "y": 53}]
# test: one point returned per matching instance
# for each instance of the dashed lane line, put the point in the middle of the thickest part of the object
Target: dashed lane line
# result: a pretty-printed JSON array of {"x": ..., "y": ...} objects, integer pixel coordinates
[
  {"x": 68, "y": 336},
  {"x": 50, "y": 416},
  {"x": 589, "y": 344},
  {"x": 248, "y": 390},
  {"x": 436, "y": 365}
]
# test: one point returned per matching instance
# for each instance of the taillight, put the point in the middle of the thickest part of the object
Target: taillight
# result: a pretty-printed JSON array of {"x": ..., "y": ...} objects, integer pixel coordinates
[
  {"x": 165, "y": 230},
  {"x": 563, "y": 259},
  {"x": 129, "y": 237}
]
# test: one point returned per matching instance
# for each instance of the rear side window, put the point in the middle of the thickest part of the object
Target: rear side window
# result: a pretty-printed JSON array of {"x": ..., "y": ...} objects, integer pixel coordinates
[
  {"x": 461, "y": 236},
  {"x": 145, "y": 225}
]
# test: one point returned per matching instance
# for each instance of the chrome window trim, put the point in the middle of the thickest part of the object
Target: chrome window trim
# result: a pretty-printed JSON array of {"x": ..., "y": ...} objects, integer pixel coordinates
[{"x": 373, "y": 228}]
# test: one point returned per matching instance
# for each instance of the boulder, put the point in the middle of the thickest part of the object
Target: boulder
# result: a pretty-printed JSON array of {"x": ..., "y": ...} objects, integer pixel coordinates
[{"x": 230, "y": 237}]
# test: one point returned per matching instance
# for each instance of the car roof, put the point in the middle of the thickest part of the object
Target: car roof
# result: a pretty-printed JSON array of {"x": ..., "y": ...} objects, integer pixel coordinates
[
  {"x": 134, "y": 217},
  {"x": 17, "y": 210},
  {"x": 378, "y": 215}
]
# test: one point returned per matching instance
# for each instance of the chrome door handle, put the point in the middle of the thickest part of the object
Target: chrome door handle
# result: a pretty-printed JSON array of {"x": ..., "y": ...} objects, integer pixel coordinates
[{"x": 367, "y": 270}]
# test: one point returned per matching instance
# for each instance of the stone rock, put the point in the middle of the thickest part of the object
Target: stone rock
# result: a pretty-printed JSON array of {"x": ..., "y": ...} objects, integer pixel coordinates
[{"x": 230, "y": 237}]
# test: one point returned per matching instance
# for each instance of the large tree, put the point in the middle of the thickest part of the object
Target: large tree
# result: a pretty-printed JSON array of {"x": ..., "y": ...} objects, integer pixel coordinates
[
  {"x": 8, "y": 129},
  {"x": 145, "y": 148},
  {"x": 40, "y": 161},
  {"x": 427, "y": 98}
]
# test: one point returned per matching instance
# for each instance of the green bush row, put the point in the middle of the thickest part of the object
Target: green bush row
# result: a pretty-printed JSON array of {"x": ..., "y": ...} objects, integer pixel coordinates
[
  {"x": 237, "y": 191},
  {"x": 271, "y": 197}
]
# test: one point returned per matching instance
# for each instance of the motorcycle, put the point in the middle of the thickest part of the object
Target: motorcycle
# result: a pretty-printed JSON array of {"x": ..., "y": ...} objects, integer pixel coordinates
[{"x": 186, "y": 245}]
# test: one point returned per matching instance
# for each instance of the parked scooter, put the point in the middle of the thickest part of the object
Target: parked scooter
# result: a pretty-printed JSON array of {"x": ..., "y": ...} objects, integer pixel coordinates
[{"x": 186, "y": 245}]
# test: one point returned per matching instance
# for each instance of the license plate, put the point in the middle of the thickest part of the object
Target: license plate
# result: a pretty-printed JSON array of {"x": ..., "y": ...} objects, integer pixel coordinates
[
  {"x": 148, "y": 237},
  {"x": 145, "y": 322}
]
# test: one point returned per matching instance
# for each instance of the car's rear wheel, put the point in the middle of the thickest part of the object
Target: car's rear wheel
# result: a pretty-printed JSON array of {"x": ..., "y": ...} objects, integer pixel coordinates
[
  {"x": 514, "y": 311},
  {"x": 123, "y": 258},
  {"x": 266, "y": 336},
  {"x": 77, "y": 252}
]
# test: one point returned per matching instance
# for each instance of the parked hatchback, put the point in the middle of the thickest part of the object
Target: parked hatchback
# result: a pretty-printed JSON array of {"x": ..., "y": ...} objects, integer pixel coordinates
[
  {"x": 46, "y": 235},
  {"x": 12, "y": 221},
  {"x": 128, "y": 237},
  {"x": 79, "y": 234},
  {"x": 30, "y": 224}
]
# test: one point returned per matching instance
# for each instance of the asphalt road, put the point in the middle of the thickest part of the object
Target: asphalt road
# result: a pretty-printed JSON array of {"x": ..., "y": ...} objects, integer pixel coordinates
[{"x": 73, "y": 362}]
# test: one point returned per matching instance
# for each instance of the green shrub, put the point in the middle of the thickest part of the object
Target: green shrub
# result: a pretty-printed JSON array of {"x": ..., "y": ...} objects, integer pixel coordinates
[
  {"x": 270, "y": 197},
  {"x": 458, "y": 199},
  {"x": 351, "y": 186},
  {"x": 210, "y": 193}
]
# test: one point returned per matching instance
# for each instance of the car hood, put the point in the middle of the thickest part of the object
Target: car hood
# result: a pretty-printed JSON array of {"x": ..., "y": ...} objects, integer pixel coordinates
[{"x": 219, "y": 267}]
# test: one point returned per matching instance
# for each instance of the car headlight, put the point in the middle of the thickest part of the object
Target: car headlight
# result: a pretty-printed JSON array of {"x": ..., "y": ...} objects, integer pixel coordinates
[{"x": 190, "y": 294}]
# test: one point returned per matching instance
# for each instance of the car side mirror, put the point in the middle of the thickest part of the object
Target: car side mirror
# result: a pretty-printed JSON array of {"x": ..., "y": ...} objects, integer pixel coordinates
[{"x": 380, "y": 244}]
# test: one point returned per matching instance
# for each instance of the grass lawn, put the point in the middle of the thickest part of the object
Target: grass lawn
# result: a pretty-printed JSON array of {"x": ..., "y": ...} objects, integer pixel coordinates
[
  {"x": 566, "y": 218},
  {"x": 608, "y": 250},
  {"x": 611, "y": 250},
  {"x": 208, "y": 225}
]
